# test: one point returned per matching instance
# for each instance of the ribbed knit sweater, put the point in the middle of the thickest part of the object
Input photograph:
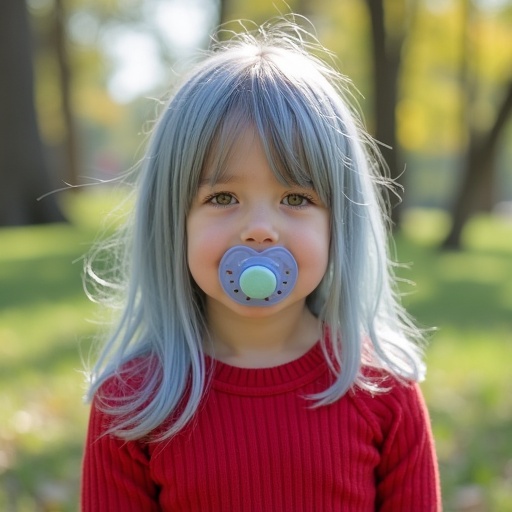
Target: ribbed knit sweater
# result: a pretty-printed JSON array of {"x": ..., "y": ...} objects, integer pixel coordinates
[{"x": 257, "y": 444}]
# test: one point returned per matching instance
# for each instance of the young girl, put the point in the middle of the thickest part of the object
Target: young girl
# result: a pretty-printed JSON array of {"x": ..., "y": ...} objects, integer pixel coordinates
[{"x": 262, "y": 361}]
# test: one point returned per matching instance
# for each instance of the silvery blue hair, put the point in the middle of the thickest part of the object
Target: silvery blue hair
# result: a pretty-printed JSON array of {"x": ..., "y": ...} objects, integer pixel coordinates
[{"x": 295, "y": 101}]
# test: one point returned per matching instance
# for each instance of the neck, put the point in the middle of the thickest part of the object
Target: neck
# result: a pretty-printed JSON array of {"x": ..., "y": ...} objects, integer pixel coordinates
[{"x": 261, "y": 342}]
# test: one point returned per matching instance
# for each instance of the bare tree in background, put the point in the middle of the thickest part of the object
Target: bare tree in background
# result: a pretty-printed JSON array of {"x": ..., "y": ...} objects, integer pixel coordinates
[
  {"x": 478, "y": 172},
  {"x": 387, "y": 57},
  {"x": 223, "y": 11},
  {"x": 24, "y": 175},
  {"x": 60, "y": 47},
  {"x": 476, "y": 189}
]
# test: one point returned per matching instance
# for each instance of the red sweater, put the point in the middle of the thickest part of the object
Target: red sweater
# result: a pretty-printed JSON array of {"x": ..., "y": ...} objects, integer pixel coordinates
[{"x": 256, "y": 445}]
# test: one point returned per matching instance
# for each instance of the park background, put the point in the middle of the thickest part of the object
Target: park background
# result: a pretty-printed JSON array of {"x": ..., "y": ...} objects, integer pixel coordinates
[{"x": 79, "y": 88}]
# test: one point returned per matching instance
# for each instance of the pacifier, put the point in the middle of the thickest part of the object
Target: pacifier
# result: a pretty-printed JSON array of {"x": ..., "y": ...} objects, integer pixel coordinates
[{"x": 256, "y": 278}]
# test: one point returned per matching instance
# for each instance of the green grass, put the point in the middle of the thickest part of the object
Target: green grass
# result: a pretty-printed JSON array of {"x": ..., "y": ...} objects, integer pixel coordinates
[
  {"x": 45, "y": 329},
  {"x": 44, "y": 332},
  {"x": 467, "y": 295}
]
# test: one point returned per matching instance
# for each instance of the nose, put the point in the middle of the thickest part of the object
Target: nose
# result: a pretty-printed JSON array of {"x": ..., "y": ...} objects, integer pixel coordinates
[{"x": 260, "y": 228}]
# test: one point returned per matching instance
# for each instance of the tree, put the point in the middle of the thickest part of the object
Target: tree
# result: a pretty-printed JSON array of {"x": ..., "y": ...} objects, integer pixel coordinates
[
  {"x": 60, "y": 46},
  {"x": 478, "y": 171},
  {"x": 387, "y": 46},
  {"x": 223, "y": 11},
  {"x": 23, "y": 171},
  {"x": 476, "y": 188}
]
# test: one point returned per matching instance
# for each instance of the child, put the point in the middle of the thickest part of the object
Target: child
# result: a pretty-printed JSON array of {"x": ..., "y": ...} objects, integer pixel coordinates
[{"x": 262, "y": 361}]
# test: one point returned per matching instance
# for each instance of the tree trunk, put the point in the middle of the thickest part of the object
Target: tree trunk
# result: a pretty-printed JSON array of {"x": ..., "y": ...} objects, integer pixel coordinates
[
  {"x": 61, "y": 51},
  {"x": 478, "y": 172},
  {"x": 305, "y": 8},
  {"x": 386, "y": 69},
  {"x": 223, "y": 11},
  {"x": 23, "y": 172}
]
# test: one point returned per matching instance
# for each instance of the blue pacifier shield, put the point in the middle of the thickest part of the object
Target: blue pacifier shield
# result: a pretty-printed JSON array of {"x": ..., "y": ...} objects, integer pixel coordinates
[{"x": 258, "y": 278}]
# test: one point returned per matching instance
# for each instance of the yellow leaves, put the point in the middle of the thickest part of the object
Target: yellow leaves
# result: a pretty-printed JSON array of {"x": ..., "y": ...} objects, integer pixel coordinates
[
  {"x": 96, "y": 105},
  {"x": 494, "y": 40},
  {"x": 413, "y": 125},
  {"x": 430, "y": 124}
]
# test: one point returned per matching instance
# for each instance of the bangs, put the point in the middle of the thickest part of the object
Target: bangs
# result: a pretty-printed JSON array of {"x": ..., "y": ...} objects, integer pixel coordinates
[{"x": 283, "y": 112}]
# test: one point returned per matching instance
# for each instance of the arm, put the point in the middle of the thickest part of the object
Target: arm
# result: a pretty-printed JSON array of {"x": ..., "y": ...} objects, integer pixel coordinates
[
  {"x": 407, "y": 477},
  {"x": 115, "y": 473}
]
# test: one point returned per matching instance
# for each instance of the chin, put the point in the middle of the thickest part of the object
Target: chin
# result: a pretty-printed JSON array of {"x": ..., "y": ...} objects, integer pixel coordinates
[{"x": 258, "y": 312}]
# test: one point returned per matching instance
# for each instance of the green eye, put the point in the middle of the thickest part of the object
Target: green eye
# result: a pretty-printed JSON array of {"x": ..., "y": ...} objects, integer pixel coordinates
[
  {"x": 295, "y": 200},
  {"x": 223, "y": 199}
]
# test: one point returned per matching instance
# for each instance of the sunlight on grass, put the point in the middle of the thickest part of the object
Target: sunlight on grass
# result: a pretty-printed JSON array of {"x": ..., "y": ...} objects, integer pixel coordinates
[
  {"x": 426, "y": 226},
  {"x": 45, "y": 331},
  {"x": 467, "y": 296},
  {"x": 100, "y": 207}
]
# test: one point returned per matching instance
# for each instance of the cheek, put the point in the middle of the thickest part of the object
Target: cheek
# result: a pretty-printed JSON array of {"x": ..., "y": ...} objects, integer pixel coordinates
[
  {"x": 205, "y": 248},
  {"x": 206, "y": 242},
  {"x": 315, "y": 260},
  {"x": 312, "y": 251}
]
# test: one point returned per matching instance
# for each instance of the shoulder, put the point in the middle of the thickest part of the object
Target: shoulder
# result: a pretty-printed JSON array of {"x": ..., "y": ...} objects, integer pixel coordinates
[{"x": 394, "y": 405}]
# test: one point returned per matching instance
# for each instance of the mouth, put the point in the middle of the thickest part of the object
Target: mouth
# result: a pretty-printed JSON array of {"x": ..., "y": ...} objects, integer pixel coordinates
[{"x": 256, "y": 278}]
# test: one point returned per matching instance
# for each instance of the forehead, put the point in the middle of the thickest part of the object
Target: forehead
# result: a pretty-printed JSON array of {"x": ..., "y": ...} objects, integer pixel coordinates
[
  {"x": 239, "y": 139},
  {"x": 228, "y": 155},
  {"x": 247, "y": 163}
]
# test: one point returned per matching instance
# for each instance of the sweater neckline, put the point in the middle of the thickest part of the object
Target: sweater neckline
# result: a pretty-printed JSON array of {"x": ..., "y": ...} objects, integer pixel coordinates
[{"x": 270, "y": 380}]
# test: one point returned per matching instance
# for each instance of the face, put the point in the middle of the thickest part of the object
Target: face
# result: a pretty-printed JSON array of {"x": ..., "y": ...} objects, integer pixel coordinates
[{"x": 249, "y": 206}]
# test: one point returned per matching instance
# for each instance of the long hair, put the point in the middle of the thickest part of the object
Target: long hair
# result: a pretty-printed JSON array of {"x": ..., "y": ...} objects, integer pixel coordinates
[{"x": 271, "y": 81}]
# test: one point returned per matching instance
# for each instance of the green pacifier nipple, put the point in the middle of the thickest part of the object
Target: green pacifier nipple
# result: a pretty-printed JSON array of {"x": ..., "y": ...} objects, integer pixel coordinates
[{"x": 258, "y": 282}]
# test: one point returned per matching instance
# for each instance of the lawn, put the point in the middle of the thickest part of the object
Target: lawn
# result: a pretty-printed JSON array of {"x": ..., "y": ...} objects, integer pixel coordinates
[
  {"x": 46, "y": 327},
  {"x": 468, "y": 297}
]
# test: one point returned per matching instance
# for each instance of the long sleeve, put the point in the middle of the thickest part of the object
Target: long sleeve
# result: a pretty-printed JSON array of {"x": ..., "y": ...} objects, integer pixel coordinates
[
  {"x": 407, "y": 476},
  {"x": 115, "y": 473}
]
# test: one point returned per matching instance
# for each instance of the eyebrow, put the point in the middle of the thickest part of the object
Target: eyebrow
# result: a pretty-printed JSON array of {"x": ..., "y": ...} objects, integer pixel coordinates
[{"x": 223, "y": 179}]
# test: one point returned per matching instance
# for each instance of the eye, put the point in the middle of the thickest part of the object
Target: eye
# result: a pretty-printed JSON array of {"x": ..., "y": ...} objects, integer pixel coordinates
[
  {"x": 222, "y": 199},
  {"x": 296, "y": 200}
]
